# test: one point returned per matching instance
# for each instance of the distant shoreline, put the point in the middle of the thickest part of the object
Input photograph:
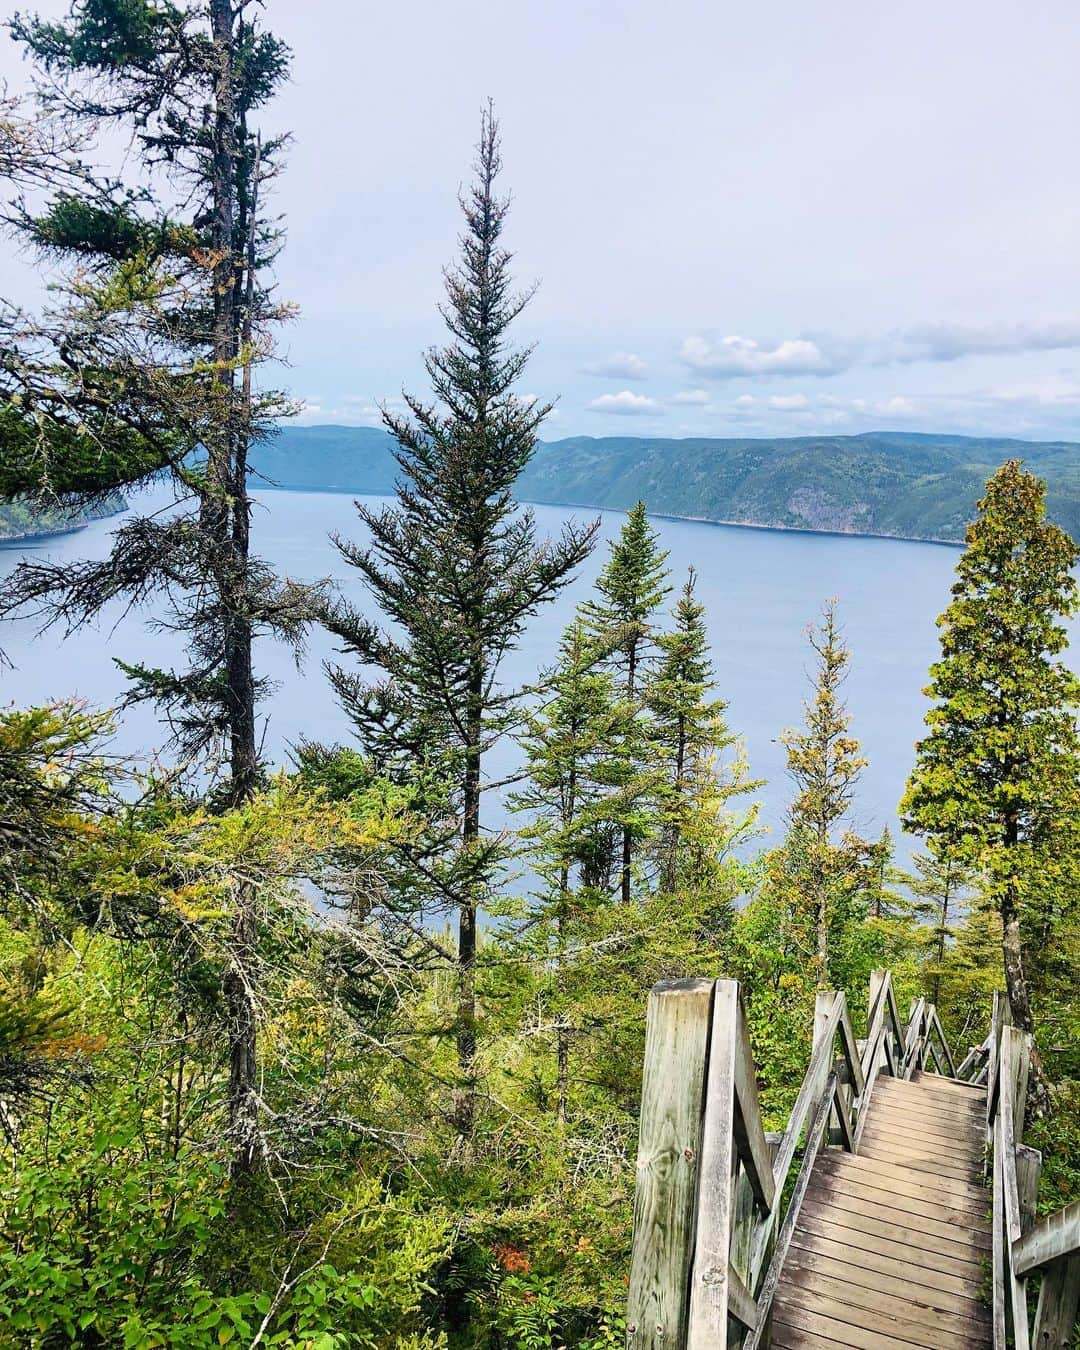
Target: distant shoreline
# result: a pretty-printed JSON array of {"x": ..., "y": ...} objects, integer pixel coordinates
[
  {"x": 36, "y": 536},
  {"x": 656, "y": 515}
]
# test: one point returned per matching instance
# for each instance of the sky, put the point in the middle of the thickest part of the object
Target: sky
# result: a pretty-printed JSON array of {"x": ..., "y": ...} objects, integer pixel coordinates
[{"x": 778, "y": 219}]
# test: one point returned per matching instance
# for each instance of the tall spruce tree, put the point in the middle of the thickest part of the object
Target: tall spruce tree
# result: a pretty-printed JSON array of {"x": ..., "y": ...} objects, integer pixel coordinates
[
  {"x": 824, "y": 761},
  {"x": 996, "y": 783},
  {"x": 687, "y": 729},
  {"x": 458, "y": 569},
  {"x": 631, "y": 587},
  {"x": 143, "y": 368}
]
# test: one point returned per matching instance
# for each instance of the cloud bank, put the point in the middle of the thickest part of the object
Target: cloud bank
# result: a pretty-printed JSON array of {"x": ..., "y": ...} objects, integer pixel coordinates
[{"x": 824, "y": 354}]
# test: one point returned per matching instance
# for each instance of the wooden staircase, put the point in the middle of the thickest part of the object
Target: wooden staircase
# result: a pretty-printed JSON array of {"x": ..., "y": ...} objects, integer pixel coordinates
[
  {"x": 897, "y": 1209},
  {"x": 891, "y": 1246}
]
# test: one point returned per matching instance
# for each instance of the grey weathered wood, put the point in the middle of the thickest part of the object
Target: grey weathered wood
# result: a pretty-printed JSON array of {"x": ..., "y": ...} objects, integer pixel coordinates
[
  {"x": 814, "y": 1137},
  {"x": 710, "y": 1289},
  {"x": 891, "y": 1238},
  {"x": 1059, "y": 1304},
  {"x": 943, "y": 1041},
  {"x": 998, "y": 1295},
  {"x": 1051, "y": 1239},
  {"x": 913, "y": 1039},
  {"x": 1028, "y": 1171},
  {"x": 850, "y": 1050},
  {"x": 749, "y": 1135},
  {"x": 809, "y": 1093},
  {"x": 676, "y": 1049},
  {"x": 968, "y": 1063},
  {"x": 1015, "y": 1053},
  {"x": 741, "y": 1303}
]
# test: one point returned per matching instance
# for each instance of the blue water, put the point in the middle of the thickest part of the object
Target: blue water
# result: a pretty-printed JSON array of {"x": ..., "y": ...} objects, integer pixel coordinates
[{"x": 760, "y": 589}]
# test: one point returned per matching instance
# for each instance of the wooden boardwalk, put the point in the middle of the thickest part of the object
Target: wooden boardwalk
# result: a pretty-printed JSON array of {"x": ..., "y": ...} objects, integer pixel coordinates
[
  {"x": 897, "y": 1209},
  {"x": 891, "y": 1248}
]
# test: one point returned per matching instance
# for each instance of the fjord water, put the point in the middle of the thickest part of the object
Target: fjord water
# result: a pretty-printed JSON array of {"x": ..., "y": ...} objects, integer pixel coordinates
[{"x": 760, "y": 587}]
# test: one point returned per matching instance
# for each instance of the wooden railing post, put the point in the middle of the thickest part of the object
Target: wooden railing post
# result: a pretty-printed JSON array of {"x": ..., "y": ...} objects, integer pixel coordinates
[
  {"x": 732, "y": 1146},
  {"x": 1059, "y": 1305},
  {"x": 1051, "y": 1247},
  {"x": 665, "y": 1201}
]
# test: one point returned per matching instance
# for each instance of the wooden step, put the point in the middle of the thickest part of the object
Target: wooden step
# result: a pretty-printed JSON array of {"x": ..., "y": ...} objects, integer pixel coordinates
[
  {"x": 891, "y": 1245},
  {"x": 860, "y": 1210}
]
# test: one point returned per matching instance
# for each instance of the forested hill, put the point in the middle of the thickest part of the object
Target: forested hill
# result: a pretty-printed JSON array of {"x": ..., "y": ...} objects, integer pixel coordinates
[
  {"x": 21, "y": 521},
  {"x": 916, "y": 486}
]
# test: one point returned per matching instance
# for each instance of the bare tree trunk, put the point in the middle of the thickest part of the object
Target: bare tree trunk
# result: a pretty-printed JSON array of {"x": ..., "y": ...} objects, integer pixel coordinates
[
  {"x": 1016, "y": 988},
  {"x": 224, "y": 515},
  {"x": 821, "y": 956},
  {"x": 943, "y": 928},
  {"x": 470, "y": 833},
  {"x": 627, "y": 839}
]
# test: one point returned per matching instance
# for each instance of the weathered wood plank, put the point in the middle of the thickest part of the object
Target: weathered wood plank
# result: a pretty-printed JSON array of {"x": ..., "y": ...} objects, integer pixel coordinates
[
  {"x": 676, "y": 1047},
  {"x": 910, "y": 1107},
  {"x": 918, "y": 1265},
  {"x": 749, "y": 1135},
  {"x": 948, "y": 1192},
  {"x": 921, "y": 1113},
  {"x": 943, "y": 1040},
  {"x": 963, "y": 1163},
  {"x": 855, "y": 1273},
  {"x": 903, "y": 1130},
  {"x": 791, "y": 1314},
  {"x": 1028, "y": 1171},
  {"x": 858, "y": 1211},
  {"x": 913, "y": 1211},
  {"x": 928, "y": 1164},
  {"x": 1051, "y": 1239},
  {"x": 741, "y": 1303},
  {"x": 998, "y": 1296},
  {"x": 786, "y": 1337},
  {"x": 895, "y": 1312},
  {"x": 1059, "y": 1304},
  {"x": 771, "y": 1282},
  {"x": 963, "y": 1098},
  {"x": 710, "y": 1288}
]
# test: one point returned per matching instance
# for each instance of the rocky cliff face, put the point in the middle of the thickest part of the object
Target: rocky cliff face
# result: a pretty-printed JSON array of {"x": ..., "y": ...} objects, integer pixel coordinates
[{"x": 812, "y": 508}]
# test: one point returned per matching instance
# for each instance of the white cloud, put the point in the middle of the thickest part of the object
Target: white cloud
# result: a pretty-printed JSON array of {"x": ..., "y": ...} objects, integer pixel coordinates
[
  {"x": 695, "y": 396},
  {"x": 733, "y": 357},
  {"x": 824, "y": 354},
  {"x": 625, "y": 403},
  {"x": 953, "y": 341},
  {"x": 619, "y": 366},
  {"x": 789, "y": 402}
]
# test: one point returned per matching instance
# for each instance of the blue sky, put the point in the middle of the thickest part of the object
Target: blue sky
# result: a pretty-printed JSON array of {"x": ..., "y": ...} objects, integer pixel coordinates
[{"x": 772, "y": 219}]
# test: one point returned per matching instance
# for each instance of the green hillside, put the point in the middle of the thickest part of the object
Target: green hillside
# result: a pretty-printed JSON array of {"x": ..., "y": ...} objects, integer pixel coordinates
[
  {"x": 20, "y": 520},
  {"x": 916, "y": 486}
]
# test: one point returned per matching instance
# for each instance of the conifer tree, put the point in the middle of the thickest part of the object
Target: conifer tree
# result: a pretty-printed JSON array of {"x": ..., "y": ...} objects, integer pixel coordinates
[
  {"x": 456, "y": 566},
  {"x": 687, "y": 727},
  {"x": 631, "y": 587},
  {"x": 824, "y": 761},
  {"x": 996, "y": 783},
  {"x": 143, "y": 368}
]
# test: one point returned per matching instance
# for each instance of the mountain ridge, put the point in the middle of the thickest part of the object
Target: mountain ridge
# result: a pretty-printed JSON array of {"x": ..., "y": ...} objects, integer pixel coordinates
[{"x": 891, "y": 484}]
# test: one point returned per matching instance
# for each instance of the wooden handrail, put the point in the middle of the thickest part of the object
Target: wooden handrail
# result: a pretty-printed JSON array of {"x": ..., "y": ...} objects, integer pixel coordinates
[
  {"x": 1050, "y": 1247},
  {"x": 711, "y": 1226},
  {"x": 711, "y": 1222}
]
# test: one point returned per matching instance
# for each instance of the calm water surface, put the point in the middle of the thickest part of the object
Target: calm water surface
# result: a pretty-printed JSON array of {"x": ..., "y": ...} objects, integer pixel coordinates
[{"x": 760, "y": 589}]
